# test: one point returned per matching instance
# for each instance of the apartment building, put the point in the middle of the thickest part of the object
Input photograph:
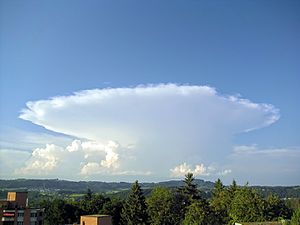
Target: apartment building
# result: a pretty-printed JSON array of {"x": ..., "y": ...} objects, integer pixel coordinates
[{"x": 14, "y": 210}]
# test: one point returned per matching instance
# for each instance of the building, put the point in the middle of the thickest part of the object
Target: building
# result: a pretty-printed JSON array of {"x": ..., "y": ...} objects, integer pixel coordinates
[
  {"x": 14, "y": 210},
  {"x": 95, "y": 220}
]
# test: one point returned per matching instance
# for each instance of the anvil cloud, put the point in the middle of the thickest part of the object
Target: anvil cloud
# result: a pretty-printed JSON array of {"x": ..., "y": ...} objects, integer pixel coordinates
[{"x": 160, "y": 126}]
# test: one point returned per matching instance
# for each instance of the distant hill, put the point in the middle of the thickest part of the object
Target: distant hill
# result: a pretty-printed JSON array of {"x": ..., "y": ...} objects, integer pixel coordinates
[
  {"x": 64, "y": 186},
  {"x": 82, "y": 186}
]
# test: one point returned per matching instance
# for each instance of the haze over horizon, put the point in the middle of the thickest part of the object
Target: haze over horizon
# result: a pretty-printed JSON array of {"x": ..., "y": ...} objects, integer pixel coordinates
[{"x": 119, "y": 91}]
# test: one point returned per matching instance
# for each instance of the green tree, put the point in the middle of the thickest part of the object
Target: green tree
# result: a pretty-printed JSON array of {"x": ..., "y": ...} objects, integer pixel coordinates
[
  {"x": 113, "y": 207},
  {"x": 233, "y": 188},
  {"x": 160, "y": 204},
  {"x": 58, "y": 212},
  {"x": 199, "y": 213},
  {"x": 190, "y": 188},
  {"x": 178, "y": 208},
  {"x": 218, "y": 188},
  {"x": 246, "y": 206},
  {"x": 295, "y": 220},
  {"x": 186, "y": 194},
  {"x": 92, "y": 203},
  {"x": 275, "y": 208},
  {"x": 88, "y": 195},
  {"x": 220, "y": 201},
  {"x": 135, "y": 210}
]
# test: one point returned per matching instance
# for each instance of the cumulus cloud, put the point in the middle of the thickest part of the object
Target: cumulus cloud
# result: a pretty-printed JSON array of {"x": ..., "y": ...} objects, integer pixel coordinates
[
  {"x": 198, "y": 170},
  {"x": 88, "y": 157},
  {"x": 163, "y": 124},
  {"x": 181, "y": 170},
  {"x": 42, "y": 160},
  {"x": 224, "y": 172}
]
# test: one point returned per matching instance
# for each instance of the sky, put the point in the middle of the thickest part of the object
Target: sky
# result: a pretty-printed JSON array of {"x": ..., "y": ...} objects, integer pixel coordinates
[{"x": 150, "y": 90}]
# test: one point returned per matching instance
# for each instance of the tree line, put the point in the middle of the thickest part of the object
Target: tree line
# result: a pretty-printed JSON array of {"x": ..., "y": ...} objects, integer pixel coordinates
[{"x": 173, "y": 206}]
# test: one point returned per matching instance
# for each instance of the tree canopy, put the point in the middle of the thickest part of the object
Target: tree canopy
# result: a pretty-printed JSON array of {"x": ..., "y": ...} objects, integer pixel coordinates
[{"x": 135, "y": 210}]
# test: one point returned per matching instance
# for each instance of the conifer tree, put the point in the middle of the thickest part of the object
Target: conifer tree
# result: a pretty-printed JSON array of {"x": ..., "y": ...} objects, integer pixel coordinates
[
  {"x": 199, "y": 213},
  {"x": 135, "y": 210},
  {"x": 187, "y": 194},
  {"x": 220, "y": 202},
  {"x": 189, "y": 189},
  {"x": 160, "y": 207}
]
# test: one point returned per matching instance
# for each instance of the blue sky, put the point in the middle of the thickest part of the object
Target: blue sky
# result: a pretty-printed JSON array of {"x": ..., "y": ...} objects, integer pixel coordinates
[{"x": 239, "y": 48}]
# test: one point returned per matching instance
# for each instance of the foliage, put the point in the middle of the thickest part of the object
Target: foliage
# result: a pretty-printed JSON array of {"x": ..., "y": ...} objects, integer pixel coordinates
[
  {"x": 293, "y": 203},
  {"x": 59, "y": 212},
  {"x": 165, "y": 205},
  {"x": 275, "y": 208},
  {"x": 295, "y": 220},
  {"x": 220, "y": 201},
  {"x": 189, "y": 189},
  {"x": 160, "y": 208},
  {"x": 113, "y": 207},
  {"x": 199, "y": 213},
  {"x": 135, "y": 210},
  {"x": 92, "y": 203},
  {"x": 246, "y": 206},
  {"x": 186, "y": 194}
]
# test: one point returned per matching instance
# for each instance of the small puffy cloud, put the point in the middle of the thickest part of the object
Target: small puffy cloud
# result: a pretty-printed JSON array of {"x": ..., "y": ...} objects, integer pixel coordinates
[
  {"x": 224, "y": 172},
  {"x": 162, "y": 125},
  {"x": 181, "y": 170},
  {"x": 197, "y": 170}
]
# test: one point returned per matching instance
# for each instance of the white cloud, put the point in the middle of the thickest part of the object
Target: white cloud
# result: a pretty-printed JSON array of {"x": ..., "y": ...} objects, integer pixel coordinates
[
  {"x": 224, "y": 172},
  {"x": 111, "y": 158},
  {"x": 254, "y": 150},
  {"x": 111, "y": 112},
  {"x": 162, "y": 125},
  {"x": 198, "y": 170},
  {"x": 42, "y": 160},
  {"x": 181, "y": 170},
  {"x": 87, "y": 157},
  {"x": 75, "y": 146}
]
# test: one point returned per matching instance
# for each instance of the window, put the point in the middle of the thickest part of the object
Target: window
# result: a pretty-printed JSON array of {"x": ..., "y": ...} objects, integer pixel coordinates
[
  {"x": 20, "y": 223},
  {"x": 33, "y": 214},
  {"x": 20, "y": 214}
]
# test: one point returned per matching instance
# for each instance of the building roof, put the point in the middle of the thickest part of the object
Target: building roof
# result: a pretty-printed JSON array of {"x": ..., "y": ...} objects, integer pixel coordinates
[{"x": 97, "y": 215}]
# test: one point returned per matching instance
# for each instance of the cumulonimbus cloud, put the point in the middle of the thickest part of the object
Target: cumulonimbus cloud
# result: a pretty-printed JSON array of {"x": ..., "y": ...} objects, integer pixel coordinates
[{"x": 167, "y": 123}]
